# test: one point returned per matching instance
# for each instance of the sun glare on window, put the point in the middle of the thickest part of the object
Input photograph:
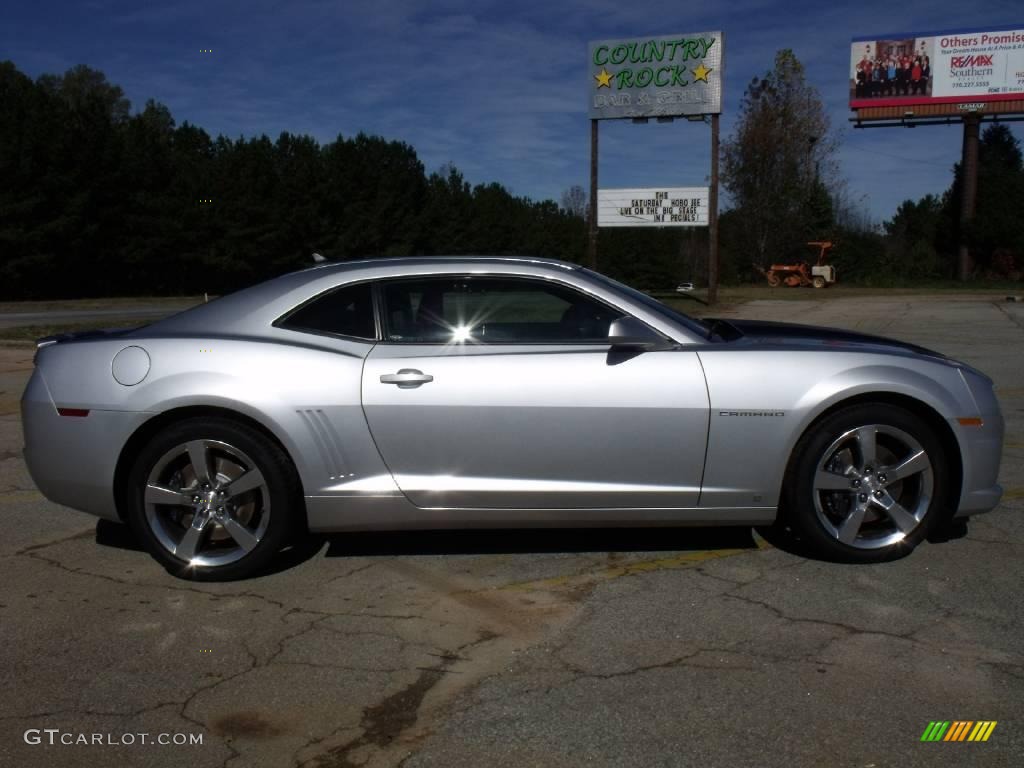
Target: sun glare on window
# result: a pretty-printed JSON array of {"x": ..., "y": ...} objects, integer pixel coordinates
[{"x": 461, "y": 333}]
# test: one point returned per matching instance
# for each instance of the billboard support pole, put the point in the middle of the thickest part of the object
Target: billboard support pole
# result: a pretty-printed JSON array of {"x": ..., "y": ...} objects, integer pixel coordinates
[
  {"x": 713, "y": 215},
  {"x": 968, "y": 192},
  {"x": 592, "y": 234}
]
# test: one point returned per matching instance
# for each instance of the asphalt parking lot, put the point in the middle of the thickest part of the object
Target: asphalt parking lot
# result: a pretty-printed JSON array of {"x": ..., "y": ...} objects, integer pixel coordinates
[{"x": 649, "y": 648}]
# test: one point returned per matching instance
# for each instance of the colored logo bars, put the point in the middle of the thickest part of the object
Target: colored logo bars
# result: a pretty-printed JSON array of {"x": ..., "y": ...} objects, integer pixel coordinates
[{"x": 958, "y": 730}]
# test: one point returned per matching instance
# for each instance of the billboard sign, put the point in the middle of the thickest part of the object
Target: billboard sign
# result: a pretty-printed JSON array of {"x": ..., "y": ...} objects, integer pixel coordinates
[
  {"x": 954, "y": 67},
  {"x": 657, "y": 207},
  {"x": 667, "y": 76}
]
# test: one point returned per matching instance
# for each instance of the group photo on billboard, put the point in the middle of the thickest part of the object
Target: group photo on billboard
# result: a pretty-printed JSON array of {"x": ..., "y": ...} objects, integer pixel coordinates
[
  {"x": 937, "y": 67},
  {"x": 895, "y": 68}
]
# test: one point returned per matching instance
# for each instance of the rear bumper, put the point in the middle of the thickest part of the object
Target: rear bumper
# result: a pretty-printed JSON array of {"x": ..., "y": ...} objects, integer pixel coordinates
[{"x": 72, "y": 459}]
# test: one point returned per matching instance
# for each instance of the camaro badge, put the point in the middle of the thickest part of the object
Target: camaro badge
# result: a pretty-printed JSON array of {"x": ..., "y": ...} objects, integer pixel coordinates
[{"x": 751, "y": 413}]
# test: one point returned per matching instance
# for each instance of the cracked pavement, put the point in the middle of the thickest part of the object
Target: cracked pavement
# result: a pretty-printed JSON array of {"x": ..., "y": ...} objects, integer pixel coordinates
[{"x": 677, "y": 647}]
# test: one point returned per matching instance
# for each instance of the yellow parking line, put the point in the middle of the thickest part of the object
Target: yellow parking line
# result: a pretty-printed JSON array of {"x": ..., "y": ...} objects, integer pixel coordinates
[
  {"x": 686, "y": 560},
  {"x": 18, "y": 496}
]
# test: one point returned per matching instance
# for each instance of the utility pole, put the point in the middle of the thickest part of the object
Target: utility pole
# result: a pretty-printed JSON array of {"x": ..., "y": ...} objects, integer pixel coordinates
[
  {"x": 968, "y": 192},
  {"x": 592, "y": 242},
  {"x": 713, "y": 215}
]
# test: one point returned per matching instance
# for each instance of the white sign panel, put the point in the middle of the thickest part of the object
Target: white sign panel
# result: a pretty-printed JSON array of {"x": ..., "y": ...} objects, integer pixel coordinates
[{"x": 656, "y": 207}]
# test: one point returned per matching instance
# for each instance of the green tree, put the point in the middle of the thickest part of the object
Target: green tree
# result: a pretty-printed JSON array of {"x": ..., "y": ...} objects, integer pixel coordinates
[
  {"x": 31, "y": 125},
  {"x": 574, "y": 201},
  {"x": 923, "y": 236},
  {"x": 996, "y": 235},
  {"x": 373, "y": 196},
  {"x": 777, "y": 163},
  {"x": 446, "y": 213},
  {"x": 84, "y": 90},
  {"x": 910, "y": 240}
]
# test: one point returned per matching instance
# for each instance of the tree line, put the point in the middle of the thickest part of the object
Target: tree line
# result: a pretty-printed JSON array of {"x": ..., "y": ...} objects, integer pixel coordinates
[
  {"x": 921, "y": 238},
  {"x": 95, "y": 200},
  {"x": 98, "y": 200}
]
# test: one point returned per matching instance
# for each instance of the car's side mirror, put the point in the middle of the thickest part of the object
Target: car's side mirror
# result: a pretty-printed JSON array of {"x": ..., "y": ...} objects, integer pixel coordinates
[{"x": 630, "y": 332}]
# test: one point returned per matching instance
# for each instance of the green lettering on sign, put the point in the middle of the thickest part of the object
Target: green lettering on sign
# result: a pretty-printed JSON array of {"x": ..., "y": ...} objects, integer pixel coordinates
[{"x": 667, "y": 75}]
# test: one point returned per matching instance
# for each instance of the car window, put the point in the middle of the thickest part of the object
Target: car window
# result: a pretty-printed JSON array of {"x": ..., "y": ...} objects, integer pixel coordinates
[
  {"x": 697, "y": 326},
  {"x": 347, "y": 311},
  {"x": 489, "y": 310}
]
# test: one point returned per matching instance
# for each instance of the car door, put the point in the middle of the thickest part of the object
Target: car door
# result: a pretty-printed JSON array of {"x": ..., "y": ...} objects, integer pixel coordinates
[{"x": 497, "y": 392}]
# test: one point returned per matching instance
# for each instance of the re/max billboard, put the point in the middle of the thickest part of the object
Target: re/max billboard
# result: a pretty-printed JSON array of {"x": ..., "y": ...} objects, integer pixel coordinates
[{"x": 937, "y": 67}]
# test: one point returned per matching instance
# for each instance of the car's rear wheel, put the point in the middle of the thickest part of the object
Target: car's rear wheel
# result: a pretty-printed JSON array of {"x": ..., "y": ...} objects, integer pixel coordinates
[
  {"x": 866, "y": 484},
  {"x": 213, "y": 499}
]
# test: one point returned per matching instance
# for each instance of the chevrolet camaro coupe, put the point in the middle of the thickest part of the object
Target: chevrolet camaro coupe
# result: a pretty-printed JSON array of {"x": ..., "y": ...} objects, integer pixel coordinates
[{"x": 425, "y": 393}]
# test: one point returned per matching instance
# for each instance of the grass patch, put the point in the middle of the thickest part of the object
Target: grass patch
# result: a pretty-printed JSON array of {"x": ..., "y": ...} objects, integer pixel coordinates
[
  {"x": 694, "y": 303},
  {"x": 738, "y": 294},
  {"x": 171, "y": 302}
]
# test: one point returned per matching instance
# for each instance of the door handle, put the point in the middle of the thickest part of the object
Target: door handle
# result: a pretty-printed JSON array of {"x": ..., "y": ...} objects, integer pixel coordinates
[{"x": 407, "y": 378}]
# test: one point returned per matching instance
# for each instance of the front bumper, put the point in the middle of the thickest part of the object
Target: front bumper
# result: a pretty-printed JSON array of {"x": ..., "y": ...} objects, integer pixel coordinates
[{"x": 981, "y": 449}]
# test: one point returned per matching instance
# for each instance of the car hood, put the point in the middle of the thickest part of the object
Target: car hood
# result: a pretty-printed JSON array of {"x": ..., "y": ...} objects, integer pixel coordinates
[{"x": 794, "y": 334}]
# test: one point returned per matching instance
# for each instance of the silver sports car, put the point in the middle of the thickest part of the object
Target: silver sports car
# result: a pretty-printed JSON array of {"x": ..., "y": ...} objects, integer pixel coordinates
[{"x": 469, "y": 392}]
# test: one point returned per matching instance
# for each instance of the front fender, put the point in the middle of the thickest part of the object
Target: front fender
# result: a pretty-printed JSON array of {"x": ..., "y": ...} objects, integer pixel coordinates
[{"x": 762, "y": 402}]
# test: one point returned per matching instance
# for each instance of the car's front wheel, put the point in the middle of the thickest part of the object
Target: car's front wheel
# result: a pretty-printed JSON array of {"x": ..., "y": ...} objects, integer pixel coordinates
[
  {"x": 866, "y": 484},
  {"x": 212, "y": 499}
]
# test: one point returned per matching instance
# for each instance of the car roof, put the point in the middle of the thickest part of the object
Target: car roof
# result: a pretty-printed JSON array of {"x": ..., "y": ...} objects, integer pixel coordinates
[
  {"x": 253, "y": 308},
  {"x": 427, "y": 261}
]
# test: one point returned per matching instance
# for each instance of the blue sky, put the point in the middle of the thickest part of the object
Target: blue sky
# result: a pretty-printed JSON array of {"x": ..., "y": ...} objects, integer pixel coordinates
[{"x": 497, "y": 88}]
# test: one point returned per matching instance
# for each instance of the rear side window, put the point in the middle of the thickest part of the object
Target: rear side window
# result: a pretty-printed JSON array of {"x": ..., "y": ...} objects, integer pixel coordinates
[{"x": 345, "y": 311}]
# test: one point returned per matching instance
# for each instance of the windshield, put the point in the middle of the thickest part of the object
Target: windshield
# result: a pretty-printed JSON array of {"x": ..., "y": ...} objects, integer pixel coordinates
[{"x": 653, "y": 304}]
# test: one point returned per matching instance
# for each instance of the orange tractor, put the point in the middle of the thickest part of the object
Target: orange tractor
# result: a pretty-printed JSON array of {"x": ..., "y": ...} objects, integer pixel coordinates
[{"x": 802, "y": 274}]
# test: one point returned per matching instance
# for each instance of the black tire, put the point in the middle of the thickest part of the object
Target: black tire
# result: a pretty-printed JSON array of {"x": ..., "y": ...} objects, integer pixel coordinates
[
  {"x": 828, "y": 521},
  {"x": 269, "y": 513}
]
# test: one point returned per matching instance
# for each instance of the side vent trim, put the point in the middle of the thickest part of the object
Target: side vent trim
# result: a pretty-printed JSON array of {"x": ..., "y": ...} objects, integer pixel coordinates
[{"x": 327, "y": 441}]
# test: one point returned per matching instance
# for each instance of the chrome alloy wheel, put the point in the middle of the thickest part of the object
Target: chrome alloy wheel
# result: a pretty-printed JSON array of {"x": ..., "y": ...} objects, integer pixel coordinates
[
  {"x": 207, "y": 503},
  {"x": 873, "y": 486}
]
